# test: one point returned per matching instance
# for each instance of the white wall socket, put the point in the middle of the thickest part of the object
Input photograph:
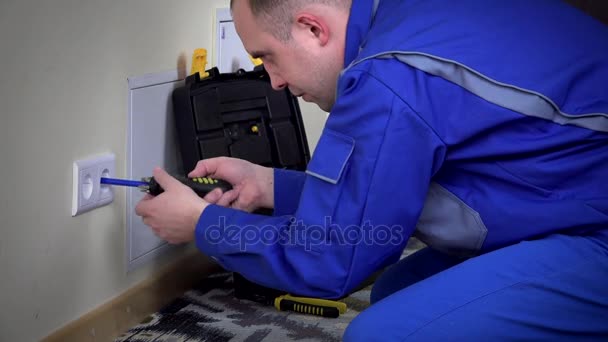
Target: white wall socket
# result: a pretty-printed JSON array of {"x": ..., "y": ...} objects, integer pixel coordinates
[{"x": 88, "y": 192}]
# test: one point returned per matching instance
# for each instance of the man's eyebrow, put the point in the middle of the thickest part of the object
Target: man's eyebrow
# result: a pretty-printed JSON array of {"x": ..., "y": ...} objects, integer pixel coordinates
[{"x": 258, "y": 54}]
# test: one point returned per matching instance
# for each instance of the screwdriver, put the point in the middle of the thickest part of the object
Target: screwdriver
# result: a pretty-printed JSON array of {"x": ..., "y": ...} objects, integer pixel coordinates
[
  {"x": 313, "y": 306},
  {"x": 201, "y": 185}
]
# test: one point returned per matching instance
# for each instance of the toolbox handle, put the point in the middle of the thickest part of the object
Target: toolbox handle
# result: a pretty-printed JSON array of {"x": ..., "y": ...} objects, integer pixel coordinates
[{"x": 258, "y": 73}]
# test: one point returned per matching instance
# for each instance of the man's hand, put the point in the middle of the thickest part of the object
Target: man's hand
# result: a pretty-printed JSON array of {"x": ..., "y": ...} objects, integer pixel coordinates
[
  {"x": 252, "y": 184},
  {"x": 173, "y": 214}
]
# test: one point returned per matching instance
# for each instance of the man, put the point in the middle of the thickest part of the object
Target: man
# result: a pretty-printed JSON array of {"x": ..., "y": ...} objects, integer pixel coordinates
[{"x": 481, "y": 126}]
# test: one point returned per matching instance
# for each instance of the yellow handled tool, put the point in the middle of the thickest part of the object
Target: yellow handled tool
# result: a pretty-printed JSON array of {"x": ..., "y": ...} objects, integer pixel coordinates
[{"x": 313, "y": 306}]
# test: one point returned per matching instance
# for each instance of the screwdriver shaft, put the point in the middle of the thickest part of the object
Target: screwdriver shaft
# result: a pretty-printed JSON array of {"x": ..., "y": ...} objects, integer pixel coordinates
[{"x": 123, "y": 182}]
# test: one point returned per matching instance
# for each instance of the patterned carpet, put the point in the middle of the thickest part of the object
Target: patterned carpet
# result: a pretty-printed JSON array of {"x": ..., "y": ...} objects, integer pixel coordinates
[{"x": 211, "y": 313}]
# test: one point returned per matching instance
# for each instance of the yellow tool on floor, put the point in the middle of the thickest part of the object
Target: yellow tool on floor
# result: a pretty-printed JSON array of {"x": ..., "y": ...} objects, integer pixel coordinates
[
  {"x": 313, "y": 306},
  {"x": 247, "y": 290}
]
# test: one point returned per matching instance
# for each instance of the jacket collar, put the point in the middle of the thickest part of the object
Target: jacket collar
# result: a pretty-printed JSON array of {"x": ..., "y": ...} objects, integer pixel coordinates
[{"x": 359, "y": 23}]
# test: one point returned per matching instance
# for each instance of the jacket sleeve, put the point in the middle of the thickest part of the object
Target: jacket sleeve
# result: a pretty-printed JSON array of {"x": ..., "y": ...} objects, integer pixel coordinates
[
  {"x": 362, "y": 194},
  {"x": 288, "y": 186}
]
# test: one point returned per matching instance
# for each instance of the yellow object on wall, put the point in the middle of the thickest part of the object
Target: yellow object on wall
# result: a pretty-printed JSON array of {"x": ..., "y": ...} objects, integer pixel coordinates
[{"x": 199, "y": 63}]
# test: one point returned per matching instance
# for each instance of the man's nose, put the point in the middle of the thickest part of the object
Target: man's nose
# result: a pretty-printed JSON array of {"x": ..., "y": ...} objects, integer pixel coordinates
[{"x": 277, "y": 83}]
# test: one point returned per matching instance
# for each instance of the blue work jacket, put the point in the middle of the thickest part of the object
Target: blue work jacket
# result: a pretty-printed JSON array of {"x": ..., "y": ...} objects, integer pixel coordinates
[{"x": 472, "y": 125}]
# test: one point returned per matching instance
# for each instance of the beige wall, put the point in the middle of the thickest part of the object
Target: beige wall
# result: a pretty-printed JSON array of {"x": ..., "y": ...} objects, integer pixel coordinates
[
  {"x": 314, "y": 120},
  {"x": 63, "y": 96}
]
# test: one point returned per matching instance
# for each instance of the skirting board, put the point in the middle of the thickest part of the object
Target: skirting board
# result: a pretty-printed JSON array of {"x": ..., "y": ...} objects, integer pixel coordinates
[{"x": 128, "y": 309}]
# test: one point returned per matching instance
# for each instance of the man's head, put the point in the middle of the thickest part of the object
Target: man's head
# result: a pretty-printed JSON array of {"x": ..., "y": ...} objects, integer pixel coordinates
[{"x": 301, "y": 43}]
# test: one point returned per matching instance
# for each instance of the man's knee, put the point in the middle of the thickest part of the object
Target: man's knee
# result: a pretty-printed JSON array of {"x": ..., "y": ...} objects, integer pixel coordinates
[
  {"x": 383, "y": 288},
  {"x": 377, "y": 324},
  {"x": 361, "y": 328},
  {"x": 377, "y": 293}
]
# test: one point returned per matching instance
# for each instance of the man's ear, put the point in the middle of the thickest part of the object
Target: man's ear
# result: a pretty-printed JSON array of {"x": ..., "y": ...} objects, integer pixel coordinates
[{"x": 314, "y": 26}]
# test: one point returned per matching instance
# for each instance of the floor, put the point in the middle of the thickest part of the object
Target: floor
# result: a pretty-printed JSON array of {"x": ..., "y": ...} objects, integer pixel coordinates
[{"x": 211, "y": 312}]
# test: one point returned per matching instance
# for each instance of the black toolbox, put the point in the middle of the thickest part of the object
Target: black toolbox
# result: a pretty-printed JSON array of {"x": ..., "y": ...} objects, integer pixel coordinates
[{"x": 240, "y": 115}]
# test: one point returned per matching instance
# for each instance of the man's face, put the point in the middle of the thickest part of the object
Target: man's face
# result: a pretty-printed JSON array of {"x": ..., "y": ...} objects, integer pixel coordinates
[{"x": 307, "y": 68}]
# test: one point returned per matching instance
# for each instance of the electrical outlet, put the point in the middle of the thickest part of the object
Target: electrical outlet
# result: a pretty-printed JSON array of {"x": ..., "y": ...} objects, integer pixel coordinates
[{"x": 88, "y": 192}]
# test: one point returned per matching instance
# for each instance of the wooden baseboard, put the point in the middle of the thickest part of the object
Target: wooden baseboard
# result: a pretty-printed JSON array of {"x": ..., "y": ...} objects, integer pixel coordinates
[{"x": 128, "y": 309}]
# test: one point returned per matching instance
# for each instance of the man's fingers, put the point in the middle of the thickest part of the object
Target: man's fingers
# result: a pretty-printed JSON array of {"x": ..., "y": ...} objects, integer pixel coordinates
[
  {"x": 205, "y": 167},
  {"x": 142, "y": 207},
  {"x": 200, "y": 170},
  {"x": 228, "y": 197},
  {"x": 213, "y": 196},
  {"x": 164, "y": 179}
]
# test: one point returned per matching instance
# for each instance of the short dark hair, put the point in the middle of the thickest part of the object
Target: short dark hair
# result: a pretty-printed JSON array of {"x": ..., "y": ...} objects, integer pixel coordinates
[{"x": 278, "y": 14}]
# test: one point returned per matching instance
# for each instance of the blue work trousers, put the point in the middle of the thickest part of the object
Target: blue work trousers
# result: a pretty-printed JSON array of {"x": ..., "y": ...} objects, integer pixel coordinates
[{"x": 550, "y": 289}]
